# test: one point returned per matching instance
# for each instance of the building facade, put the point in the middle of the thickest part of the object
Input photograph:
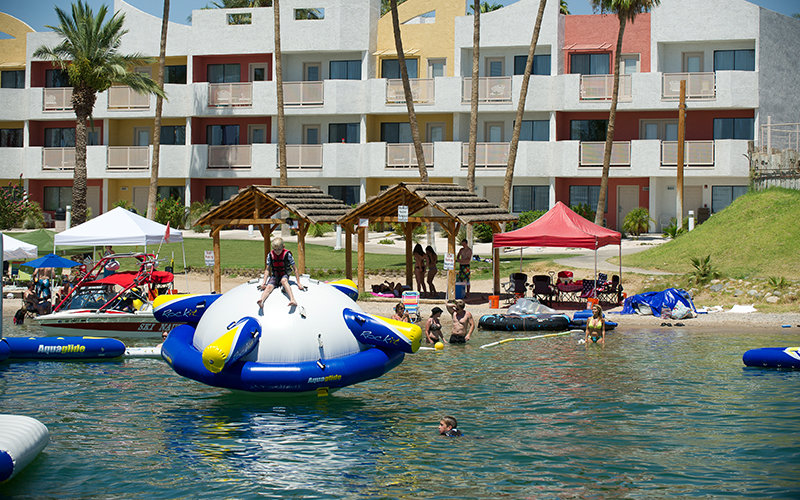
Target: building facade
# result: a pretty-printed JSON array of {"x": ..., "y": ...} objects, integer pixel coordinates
[{"x": 346, "y": 120}]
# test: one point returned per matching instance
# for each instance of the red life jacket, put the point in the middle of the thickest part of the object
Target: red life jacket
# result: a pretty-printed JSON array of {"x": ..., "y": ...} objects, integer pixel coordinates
[{"x": 279, "y": 263}]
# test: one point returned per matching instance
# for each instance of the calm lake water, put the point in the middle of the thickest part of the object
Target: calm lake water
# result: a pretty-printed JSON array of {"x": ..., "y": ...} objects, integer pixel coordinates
[{"x": 656, "y": 413}]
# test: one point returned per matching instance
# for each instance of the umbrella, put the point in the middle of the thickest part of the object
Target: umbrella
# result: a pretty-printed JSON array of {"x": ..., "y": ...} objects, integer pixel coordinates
[{"x": 51, "y": 260}]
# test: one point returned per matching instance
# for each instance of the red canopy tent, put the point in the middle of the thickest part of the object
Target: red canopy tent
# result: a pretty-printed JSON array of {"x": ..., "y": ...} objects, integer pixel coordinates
[{"x": 561, "y": 227}]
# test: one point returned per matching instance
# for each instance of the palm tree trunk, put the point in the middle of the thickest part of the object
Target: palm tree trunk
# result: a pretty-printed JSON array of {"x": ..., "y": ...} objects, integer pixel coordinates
[
  {"x": 279, "y": 92},
  {"x": 152, "y": 194},
  {"x": 83, "y": 99},
  {"x": 523, "y": 95},
  {"x": 473, "y": 106},
  {"x": 612, "y": 116}
]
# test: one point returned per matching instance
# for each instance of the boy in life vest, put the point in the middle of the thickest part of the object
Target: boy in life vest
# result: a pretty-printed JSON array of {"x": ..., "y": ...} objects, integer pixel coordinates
[{"x": 279, "y": 263}]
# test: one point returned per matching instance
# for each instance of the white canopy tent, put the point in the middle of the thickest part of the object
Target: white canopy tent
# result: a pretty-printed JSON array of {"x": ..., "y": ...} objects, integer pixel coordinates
[
  {"x": 119, "y": 227},
  {"x": 13, "y": 249}
]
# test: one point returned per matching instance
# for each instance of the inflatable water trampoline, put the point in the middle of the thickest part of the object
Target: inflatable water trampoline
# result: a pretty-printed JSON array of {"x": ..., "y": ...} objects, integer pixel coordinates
[{"x": 773, "y": 357}]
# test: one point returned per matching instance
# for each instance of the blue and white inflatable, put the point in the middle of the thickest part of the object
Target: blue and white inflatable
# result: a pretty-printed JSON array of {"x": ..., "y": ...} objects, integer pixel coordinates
[
  {"x": 324, "y": 343},
  {"x": 21, "y": 440},
  {"x": 773, "y": 357}
]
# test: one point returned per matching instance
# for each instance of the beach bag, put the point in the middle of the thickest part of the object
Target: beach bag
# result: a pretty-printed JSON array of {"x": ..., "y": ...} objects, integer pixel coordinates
[
  {"x": 680, "y": 311},
  {"x": 112, "y": 265}
]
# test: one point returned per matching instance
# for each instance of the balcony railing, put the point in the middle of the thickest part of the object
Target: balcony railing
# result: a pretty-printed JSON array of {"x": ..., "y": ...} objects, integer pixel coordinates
[
  {"x": 57, "y": 99},
  {"x": 487, "y": 154},
  {"x": 303, "y": 93},
  {"x": 128, "y": 157},
  {"x": 121, "y": 97},
  {"x": 421, "y": 91},
  {"x": 58, "y": 158},
  {"x": 592, "y": 154},
  {"x": 303, "y": 156},
  {"x": 601, "y": 88},
  {"x": 490, "y": 89},
  {"x": 698, "y": 85},
  {"x": 230, "y": 94},
  {"x": 405, "y": 156},
  {"x": 229, "y": 156},
  {"x": 695, "y": 153}
]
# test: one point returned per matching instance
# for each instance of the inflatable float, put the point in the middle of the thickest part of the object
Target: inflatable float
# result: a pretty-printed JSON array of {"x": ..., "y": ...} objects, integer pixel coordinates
[
  {"x": 580, "y": 318},
  {"x": 21, "y": 440},
  {"x": 524, "y": 322},
  {"x": 324, "y": 343},
  {"x": 62, "y": 348},
  {"x": 5, "y": 350},
  {"x": 773, "y": 357}
]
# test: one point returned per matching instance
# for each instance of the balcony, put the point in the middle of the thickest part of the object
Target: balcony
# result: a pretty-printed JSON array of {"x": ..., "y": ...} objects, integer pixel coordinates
[
  {"x": 490, "y": 89},
  {"x": 58, "y": 158},
  {"x": 229, "y": 156},
  {"x": 303, "y": 93},
  {"x": 698, "y": 86},
  {"x": 303, "y": 156},
  {"x": 128, "y": 157},
  {"x": 601, "y": 88},
  {"x": 487, "y": 154},
  {"x": 122, "y": 97},
  {"x": 405, "y": 156},
  {"x": 57, "y": 99},
  {"x": 421, "y": 91},
  {"x": 592, "y": 154},
  {"x": 230, "y": 94},
  {"x": 695, "y": 153}
]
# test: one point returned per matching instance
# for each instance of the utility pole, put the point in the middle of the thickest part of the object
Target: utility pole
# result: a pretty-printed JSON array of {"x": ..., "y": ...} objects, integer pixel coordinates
[{"x": 681, "y": 140}]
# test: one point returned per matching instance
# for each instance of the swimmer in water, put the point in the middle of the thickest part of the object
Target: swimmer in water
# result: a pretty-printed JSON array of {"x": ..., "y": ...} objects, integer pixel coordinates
[{"x": 447, "y": 427}]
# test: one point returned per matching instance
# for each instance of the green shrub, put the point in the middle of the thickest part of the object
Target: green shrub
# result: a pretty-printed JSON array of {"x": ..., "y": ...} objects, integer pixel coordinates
[
  {"x": 319, "y": 230},
  {"x": 703, "y": 271},
  {"x": 34, "y": 217},
  {"x": 13, "y": 207},
  {"x": 672, "y": 231},
  {"x": 778, "y": 283},
  {"x": 637, "y": 221},
  {"x": 386, "y": 241},
  {"x": 170, "y": 210},
  {"x": 482, "y": 233},
  {"x": 526, "y": 218},
  {"x": 584, "y": 210},
  {"x": 126, "y": 204},
  {"x": 399, "y": 228},
  {"x": 197, "y": 210}
]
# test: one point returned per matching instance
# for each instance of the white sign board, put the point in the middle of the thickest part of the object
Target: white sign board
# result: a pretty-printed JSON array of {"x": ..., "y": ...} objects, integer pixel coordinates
[
  {"x": 209, "y": 256},
  {"x": 449, "y": 261},
  {"x": 402, "y": 213},
  {"x": 363, "y": 222}
]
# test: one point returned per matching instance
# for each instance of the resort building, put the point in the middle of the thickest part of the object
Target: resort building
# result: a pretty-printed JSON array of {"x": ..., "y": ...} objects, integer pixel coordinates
[{"x": 347, "y": 127}]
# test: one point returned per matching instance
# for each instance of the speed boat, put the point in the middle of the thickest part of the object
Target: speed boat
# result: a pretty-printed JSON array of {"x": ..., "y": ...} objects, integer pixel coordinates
[{"x": 119, "y": 305}]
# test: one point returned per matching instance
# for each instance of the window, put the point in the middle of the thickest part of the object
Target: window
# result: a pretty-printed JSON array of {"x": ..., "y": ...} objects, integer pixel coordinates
[
  {"x": 173, "y": 135},
  {"x": 56, "y": 78},
  {"x": 494, "y": 66},
  {"x": 216, "y": 194},
  {"x": 348, "y": 194},
  {"x": 528, "y": 198},
  {"x": 344, "y": 132},
  {"x": 175, "y": 192},
  {"x": 311, "y": 72},
  {"x": 243, "y": 18},
  {"x": 541, "y": 65},
  {"x": 224, "y": 73},
  {"x": 534, "y": 130},
  {"x": 309, "y": 14},
  {"x": 436, "y": 67},
  {"x": 222, "y": 135},
  {"x": 11, "y": 138},
  {"x": 59, "y": 137},
  {"x": 722, "y": 196},
  {"x": 57, "y": 197},
  {"x": 733, "y": 128},
  {"x": 175, "y": 74},
  {"x": 588, "y": 130},
  {"x": 311, "y": 134},
  {"x": 588, "y": 195},
  {"x": 345, "y": 70},
  {"x": 390, "y": 68},
  {"x": 629, "y": 63},
  {"x": 589, "y": 64},
  {"x": 735, "y": 60},
  {"x": 395, "y": 133},
  {"x": 13, "y": 79}
]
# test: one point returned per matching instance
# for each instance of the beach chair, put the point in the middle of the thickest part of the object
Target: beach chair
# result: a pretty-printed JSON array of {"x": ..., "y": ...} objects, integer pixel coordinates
[
  {"x": 589, "y": 290},
  {"x": 411, "y": 301},
  {"x": 543, "y": 289},
  {"x": 610, "y": 291},
  {"x": 516, "y": 287}
]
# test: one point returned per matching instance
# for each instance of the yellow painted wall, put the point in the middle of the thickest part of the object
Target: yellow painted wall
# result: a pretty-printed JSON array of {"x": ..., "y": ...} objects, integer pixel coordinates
[
  {"x": 169, "y": 61},
  {"x": 120, "y": 132},
  {"x": 115, "y": 192},
  {"x": 12, "y": 50},
  {"x": 11, "y": 124},
  {"x": 431, "y": 41},
  {"x": 374, "y": 184},
  {"x": 374, "y": 124}
]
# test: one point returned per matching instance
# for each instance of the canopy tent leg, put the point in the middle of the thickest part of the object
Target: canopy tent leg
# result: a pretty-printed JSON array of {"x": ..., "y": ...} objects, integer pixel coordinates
[{"x": 185, "y": 272}]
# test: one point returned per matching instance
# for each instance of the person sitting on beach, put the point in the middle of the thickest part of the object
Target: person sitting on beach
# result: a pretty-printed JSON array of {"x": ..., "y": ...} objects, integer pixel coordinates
[
  {"x": 433, "y": 327},
  {"x": 448, "y": 427},
  {"x": 433, "y": 269},
  {"x": 400, "y": 313},
  {"x": 279, "y": 264},
  {"x": 463, "y": 323},
  {"x": 596, "y": 326},
  {"x": 420, "y": 259},
  {"x": 30, "y": 299}
]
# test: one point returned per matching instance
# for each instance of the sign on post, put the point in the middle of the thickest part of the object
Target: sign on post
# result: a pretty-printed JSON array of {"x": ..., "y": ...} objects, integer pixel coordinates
[
  {"x": 209, "y": 257},
  {"x": 449, "y": 261},
  {"x": 363, "y": 222},
  {"x": 402, "y": 213}
]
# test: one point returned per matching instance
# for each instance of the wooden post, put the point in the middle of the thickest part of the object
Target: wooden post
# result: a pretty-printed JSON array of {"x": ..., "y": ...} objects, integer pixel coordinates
[
  {"x": 451, "y": 248},
  {"x": 362, "y": 240},
  {"x": 348, "y": 250},
  {"x": 409, "y": 230},
  {"x": 302, "y": 229},
  {"x": 681, "y": 140},
  {"x": 217, "y": 265},
  {"x": 496, "y": 263}
]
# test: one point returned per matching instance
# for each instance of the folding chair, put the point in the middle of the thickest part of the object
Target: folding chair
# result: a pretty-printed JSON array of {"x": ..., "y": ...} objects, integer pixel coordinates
[
  {"x": 516, "y": 287},
  {"x": 543, "y": 289},
  {"x": 611, "y": 291},
  {"x": 589, "y": 289},
  {"x": 411, "y": 302}
]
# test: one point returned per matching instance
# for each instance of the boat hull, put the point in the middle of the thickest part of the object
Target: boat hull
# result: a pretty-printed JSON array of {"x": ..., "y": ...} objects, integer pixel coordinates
[{"x": 117, "y": 324}]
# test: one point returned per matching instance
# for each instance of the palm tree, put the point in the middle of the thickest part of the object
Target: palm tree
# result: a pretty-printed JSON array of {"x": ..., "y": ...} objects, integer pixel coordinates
[
  {"x": 564, "y": 8},
  {"x": 625, "y": 10},
  {"x": 89, "y": 52},
  {"x": 386, "y": 5},
  {"x": 473, "y": 109},
  {"x": 153, "y": 191},
  {"x": 279, "y": 91},
  {"x": 523, "y": 95},
  {"x": 484, "y": 7}
]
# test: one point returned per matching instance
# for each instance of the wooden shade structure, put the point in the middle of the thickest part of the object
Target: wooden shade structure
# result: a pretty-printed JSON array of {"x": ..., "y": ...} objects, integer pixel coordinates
[
  {"x": 261, "y": 206},
  {"x": 453, "y": 206}
]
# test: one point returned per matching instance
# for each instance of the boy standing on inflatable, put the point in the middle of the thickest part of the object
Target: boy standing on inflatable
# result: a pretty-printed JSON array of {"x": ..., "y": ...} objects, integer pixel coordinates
[{"x": 279, "y": 264}]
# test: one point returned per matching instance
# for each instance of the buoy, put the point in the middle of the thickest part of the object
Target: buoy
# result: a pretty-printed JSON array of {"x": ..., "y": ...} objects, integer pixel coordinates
[{"x": 439, "y": 346}]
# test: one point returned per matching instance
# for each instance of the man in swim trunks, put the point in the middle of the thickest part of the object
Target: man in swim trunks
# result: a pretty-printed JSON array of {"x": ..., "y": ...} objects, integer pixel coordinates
[
  {"x": 279, "y": 263},
  {"x": 464, "y": 257},
  {"x": 463, "y": 323},
  {"x": 447, "y": 427},
  {"x": 596, "y": 326}
]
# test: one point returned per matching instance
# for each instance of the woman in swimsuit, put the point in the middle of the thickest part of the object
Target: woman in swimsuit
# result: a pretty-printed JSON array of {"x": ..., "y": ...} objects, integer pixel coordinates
[
  {"x": 433, "y": 328},
  {"x": 419, "y": 269},
  {"x": 400, "y": 313},
  {"x": 596, "y": 326},
  {"x": 433, "y": 269}
]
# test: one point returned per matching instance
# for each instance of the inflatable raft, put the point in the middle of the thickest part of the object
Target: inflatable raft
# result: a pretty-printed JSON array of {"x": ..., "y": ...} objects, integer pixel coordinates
[
  {"x": 524, "y": 322},
  {"x": 773, "y": 357},
  {"x": 580, "y": 318},
  {"x": 62, "y": 348},
  {"x": 21, "y": 440}
]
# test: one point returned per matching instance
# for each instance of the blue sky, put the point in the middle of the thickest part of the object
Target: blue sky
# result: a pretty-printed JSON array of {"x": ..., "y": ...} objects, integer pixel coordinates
[{"x": 38, "y": 13}]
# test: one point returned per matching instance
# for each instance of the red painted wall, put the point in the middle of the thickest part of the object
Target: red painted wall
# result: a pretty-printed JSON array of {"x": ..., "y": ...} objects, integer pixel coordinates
[
  {"x": 38, "y": 69},
  {"x": 200, "y": 65},
  {"x": 198, "y": 186},
  {"x": 584, "y": 34},
  {"x": 562, "y": 194},
  {"x": 199, "y": 127},
  {"x": 37, "y": 129}
]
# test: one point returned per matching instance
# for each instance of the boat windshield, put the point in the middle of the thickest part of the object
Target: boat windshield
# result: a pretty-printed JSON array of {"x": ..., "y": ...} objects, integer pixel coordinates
[{"x": 90, "y": 297}]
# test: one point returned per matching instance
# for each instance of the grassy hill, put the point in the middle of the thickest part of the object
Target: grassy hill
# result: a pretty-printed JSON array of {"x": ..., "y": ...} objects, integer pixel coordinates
[{"x": 757, "y": 236}]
